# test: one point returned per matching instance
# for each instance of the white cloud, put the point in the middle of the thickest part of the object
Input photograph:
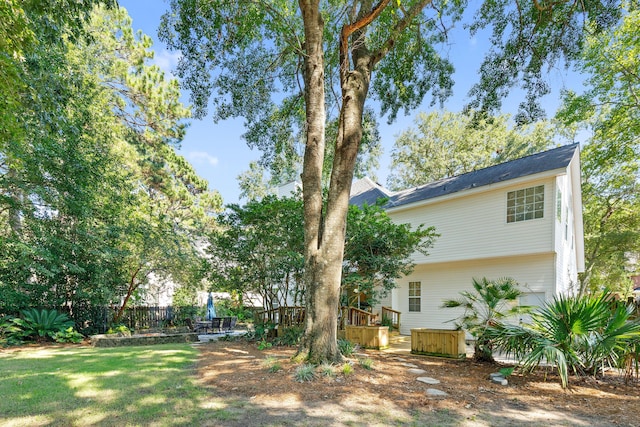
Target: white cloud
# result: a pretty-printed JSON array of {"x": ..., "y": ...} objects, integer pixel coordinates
[
  {"x": 202, "y": 157},
  {"x": 167, "y": 61}
]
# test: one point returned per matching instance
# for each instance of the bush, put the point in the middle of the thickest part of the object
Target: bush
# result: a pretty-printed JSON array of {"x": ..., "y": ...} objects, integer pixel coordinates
[
  {"x": 119, "y": 330},
  {"x": 68, "y": 335},
  {"x": 347, "y": 348},
  {"x": 42, "y": 324},
  {"x": 229, "y": 308},
  {"x": 290, "y": 336},
  {"x": 580, "y": 334},
  {"x": 386, "y": 321},
  {"x": 263, "y": 345},
  {"x": 9, "y": 331}
]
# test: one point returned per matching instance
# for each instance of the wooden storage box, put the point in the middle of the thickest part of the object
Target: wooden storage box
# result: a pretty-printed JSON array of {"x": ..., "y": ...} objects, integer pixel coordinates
[
  {"x": 376, "y": 337},
  {"x": 438, "y": 342}
]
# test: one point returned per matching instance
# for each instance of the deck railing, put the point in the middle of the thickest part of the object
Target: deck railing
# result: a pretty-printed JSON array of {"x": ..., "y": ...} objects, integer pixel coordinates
[
  {"x": 294, "y": 316},
  {"x": 352, "y": 316},
  {"x": 392, "y": 315},
  {"x": 283, "y": 316}
]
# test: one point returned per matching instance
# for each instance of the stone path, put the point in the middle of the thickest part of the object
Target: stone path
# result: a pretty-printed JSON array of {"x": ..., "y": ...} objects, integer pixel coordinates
[
  {"x": 496, "y": 378},
  {"x": 415, "y": 370}
]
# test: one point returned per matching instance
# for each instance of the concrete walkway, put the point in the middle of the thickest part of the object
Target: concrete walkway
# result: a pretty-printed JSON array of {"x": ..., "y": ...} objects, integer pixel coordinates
[{"x": 214, "y": 337}]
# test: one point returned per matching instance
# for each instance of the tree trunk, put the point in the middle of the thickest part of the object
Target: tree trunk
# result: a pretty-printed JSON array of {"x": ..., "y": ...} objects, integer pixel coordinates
[
  {"x": 321, "y": 321},
  {"x": 324, "y": 236}
]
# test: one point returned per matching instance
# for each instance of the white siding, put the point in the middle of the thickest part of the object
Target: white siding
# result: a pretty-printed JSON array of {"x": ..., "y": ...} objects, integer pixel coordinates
[
  {"x": 535, "y": 273},
  {"x": 472, "y": 224},
  {"x": 565, "y": 243}
]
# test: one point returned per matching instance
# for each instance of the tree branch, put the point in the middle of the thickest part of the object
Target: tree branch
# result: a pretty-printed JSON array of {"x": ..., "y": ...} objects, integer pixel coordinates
[
  {"x": 349, "y": 29},
  {"x": 397, "y": 30}
]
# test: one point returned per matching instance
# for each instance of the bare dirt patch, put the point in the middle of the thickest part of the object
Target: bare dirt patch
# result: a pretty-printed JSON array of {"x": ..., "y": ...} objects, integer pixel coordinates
[{"x": 389, "y": 394}]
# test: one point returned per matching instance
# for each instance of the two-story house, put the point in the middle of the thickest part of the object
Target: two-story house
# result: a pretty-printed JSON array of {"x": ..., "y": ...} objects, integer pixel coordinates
[{"x": 521, "y": 219}]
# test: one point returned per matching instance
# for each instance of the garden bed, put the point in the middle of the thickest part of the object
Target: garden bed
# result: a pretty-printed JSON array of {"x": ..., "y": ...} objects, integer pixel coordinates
[{"x": 152, "y": 338}]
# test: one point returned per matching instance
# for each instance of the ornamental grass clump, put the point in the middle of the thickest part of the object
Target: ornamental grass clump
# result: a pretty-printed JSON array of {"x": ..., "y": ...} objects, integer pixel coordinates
[{"x": 305, "y": 373}]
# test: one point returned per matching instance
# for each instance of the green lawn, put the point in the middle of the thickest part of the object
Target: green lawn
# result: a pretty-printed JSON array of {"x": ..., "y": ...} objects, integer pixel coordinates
[{"x": 151, "y": 385}]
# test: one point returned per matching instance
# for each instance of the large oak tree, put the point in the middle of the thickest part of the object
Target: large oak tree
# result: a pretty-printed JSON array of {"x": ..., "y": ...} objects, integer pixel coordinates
[{"x": 290, "y": 69}]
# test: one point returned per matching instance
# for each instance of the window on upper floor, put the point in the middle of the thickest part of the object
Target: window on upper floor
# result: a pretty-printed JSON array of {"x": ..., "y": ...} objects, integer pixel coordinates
[
  {"x": 525, "y": 204},
  {"x": 415, "y": 294}
]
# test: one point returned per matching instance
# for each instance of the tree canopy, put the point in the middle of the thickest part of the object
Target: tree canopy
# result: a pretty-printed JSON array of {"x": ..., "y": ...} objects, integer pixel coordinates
[
  {"x": 259, "y": 247},
  {"x": 93, "y": 197},
  {"x": 610, "y": 109}
]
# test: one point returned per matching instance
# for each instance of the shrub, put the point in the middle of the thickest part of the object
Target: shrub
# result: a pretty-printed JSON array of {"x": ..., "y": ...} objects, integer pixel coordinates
[
  {"x": 290, "y": 336},
  {"x": 264, "y": 344},
  {"x": 305, "y": 373},
  {"x": 386, "y": 321},
  {"x": 68, "y": 335},
  {"x": 42, "y": 324},
  {"x": 9, "y": 331},
  {"x": 119, "y": 330},
  {"x": 581, "y": 334},
  {"x": 347, "y": 348}
]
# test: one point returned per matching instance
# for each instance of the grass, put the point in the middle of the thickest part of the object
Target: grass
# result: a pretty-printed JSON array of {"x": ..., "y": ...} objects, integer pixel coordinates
[{"x": 104, "y": 386}]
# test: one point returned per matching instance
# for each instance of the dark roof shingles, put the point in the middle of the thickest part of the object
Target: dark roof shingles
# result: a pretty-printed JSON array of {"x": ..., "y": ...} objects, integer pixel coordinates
[{"x": 536, "y": 163}]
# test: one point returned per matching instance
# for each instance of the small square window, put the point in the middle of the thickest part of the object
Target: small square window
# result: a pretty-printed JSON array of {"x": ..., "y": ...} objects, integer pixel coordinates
[{"x": 526, "y": 204}]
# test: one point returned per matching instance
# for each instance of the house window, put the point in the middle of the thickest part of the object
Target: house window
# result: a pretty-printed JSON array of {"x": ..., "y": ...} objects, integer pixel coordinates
[
  {"x": 414, "y": 296},
  {"x": 525, "y": 204}
]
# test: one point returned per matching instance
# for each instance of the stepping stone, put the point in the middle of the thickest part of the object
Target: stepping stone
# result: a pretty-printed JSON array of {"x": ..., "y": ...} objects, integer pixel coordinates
[
  {"x": 400, "y": 359},
  {"x": 417, "y": 371},
  {"x": 410, "y": 365},
  {"x": 498, "y": 378},
  {"x": 428, "y": 380},
  {"x": 434, "y": 392}
]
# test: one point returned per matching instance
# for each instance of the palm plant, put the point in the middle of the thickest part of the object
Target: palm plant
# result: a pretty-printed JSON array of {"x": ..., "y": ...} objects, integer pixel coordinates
[
  {"x": 581, "y": 334},
  {"x": 42, "y": 324},
  {"x": 492, "y": 301}
]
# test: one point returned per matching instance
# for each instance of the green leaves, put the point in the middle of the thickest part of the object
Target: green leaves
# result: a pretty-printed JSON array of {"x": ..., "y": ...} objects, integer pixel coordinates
[
  {"x": 610, "y": 109},
  {"x": 579, "y": 334},
  {"x": 42, "y": 324}
]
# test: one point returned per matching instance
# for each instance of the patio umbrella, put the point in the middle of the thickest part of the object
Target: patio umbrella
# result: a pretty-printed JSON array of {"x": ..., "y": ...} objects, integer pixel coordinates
[{"x": 211, "y": 310}]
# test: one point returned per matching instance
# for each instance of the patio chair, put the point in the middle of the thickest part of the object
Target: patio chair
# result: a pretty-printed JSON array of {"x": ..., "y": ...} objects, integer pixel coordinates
[
  {"x": 226, "y": 324},
  {"x": 216, "y": 325},
  {"x": 232, "y": 325}
]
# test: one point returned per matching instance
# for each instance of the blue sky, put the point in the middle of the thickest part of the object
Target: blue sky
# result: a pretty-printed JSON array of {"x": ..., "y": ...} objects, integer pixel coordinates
[{"x": 217, "y": 150}]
